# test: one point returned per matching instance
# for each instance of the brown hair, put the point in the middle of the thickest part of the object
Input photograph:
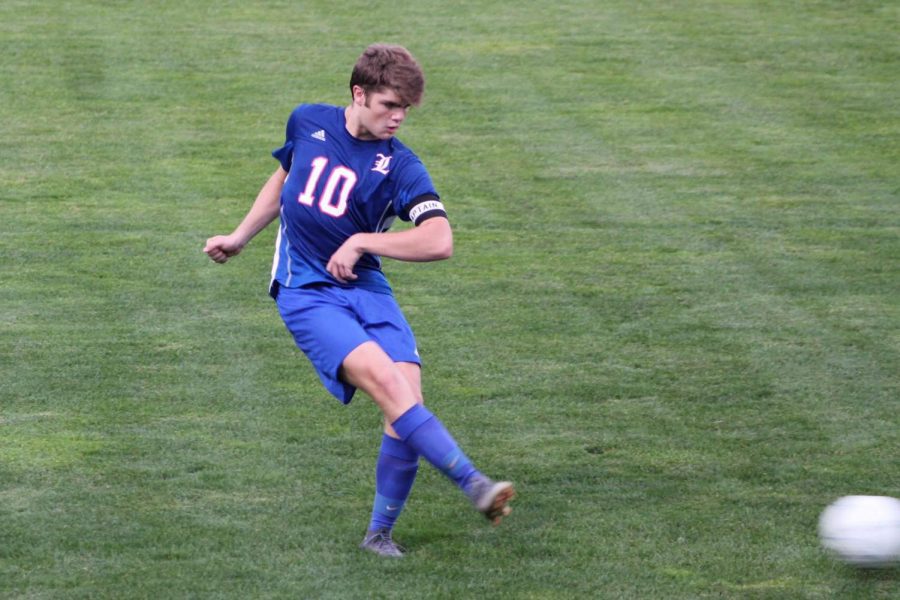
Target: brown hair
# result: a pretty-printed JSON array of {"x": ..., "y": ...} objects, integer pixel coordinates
[{"x": 384, "y": 66}]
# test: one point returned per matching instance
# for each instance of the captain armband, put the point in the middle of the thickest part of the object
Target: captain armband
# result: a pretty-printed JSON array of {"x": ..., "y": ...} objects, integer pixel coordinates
[{"x": 424, "y": 208}]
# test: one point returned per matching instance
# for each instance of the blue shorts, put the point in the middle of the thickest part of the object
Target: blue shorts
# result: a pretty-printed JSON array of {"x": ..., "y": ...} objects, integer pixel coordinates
[{"x": 328, "y": 322}]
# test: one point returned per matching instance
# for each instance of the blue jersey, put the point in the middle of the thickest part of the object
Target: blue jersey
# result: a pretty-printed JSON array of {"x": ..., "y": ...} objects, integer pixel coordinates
[{"x": 338, "y": 185}]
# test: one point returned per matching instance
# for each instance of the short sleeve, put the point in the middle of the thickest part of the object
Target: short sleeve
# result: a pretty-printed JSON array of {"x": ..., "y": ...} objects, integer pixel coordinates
[
  {"x": 413, "y": 183},
  {"x": 285, "y": 154}
]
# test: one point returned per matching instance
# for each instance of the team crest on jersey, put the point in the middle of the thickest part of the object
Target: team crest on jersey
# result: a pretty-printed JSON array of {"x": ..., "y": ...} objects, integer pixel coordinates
[{"x": 382, "y": 163}]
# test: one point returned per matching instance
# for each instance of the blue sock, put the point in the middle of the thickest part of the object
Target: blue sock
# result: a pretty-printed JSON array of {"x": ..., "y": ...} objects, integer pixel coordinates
[
  {"x": 395, "y": 473},
  {"x": 424, "y": 433}
]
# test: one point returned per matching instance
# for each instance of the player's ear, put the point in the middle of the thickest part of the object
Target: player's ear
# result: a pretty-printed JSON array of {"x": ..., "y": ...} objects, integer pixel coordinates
[{"x": 359, "y": 95}]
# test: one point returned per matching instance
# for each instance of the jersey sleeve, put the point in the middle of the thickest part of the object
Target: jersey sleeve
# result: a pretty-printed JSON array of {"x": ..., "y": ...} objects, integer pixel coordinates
[
  {"x": 285, "y": 154},
  {"x": 416, "y": 199}
]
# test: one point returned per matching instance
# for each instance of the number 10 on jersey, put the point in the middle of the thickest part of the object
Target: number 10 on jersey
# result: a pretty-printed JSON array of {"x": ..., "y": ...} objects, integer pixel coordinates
[{"x": 339, "y": 176}]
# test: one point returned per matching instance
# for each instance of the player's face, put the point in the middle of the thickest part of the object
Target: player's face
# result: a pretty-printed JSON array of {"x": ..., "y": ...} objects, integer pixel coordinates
[{"x": 380, "y": 114}]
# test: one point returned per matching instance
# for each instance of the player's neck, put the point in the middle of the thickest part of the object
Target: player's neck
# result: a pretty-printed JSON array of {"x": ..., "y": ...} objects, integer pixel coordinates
[{"x": 354, "y": 127}]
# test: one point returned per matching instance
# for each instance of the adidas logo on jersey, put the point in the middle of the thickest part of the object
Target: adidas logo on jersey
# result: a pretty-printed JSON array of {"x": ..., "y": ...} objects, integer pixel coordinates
[{"x": 319, "y": 135}]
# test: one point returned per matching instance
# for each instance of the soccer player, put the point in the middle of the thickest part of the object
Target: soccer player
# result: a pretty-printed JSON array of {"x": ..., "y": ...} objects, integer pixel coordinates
[{"x": 342, "y": 180}]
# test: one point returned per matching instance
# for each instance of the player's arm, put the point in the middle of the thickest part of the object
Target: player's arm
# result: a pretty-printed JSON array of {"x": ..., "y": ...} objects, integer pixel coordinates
[
  {"x": 431, "y": 239},
  {"x": 264, "y": 210}
]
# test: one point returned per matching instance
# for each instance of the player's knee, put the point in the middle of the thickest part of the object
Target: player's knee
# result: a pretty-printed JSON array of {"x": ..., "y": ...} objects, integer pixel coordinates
[
  {"x": 373, "y": 378},
  {"x": 391, "y": 392},
  {"x": 388, "y": 383}
]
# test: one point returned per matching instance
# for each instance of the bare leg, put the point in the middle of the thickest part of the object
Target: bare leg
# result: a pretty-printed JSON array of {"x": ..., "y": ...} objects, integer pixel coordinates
[
  {"x": 370, "y": 369},
  {"x": 413, "y": 374}
]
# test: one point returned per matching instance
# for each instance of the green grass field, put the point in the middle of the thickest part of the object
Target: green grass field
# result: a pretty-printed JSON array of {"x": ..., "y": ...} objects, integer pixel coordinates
[{"x": 673, "y": 315}]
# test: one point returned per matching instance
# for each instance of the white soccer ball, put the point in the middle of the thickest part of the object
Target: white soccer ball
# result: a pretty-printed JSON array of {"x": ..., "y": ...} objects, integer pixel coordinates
[{"x": 863, "y": 531}]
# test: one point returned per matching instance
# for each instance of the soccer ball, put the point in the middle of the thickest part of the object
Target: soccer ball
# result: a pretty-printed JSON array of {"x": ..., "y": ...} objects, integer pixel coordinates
[{"x": 863, "y": 531}]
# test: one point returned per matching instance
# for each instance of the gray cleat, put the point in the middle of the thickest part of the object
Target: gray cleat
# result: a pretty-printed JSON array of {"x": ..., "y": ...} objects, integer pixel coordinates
[
  {"x": 381, "y": 543},
  {"x": 491, "y": 498}
]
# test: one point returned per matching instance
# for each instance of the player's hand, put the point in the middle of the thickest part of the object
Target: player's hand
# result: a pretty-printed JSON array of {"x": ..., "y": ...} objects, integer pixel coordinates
[
  {"x": 222, "y": 247},
  {"x": 344, "y": 259}
]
